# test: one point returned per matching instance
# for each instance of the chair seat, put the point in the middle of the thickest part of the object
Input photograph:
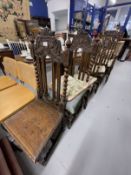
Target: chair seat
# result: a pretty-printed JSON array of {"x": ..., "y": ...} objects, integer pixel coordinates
[
  {"x": 75, "y": 91},
  {"x": 33, "y": 126},
  {"x": 73, "y": 106},
  {"x": 6, "y": 82},
  {"x": 76, "y": 87},
  {"x": 13, "y": 99},
  {"x": 110, "y": 63}
]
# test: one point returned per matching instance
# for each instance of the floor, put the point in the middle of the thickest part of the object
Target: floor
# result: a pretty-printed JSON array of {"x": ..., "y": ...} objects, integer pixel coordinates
[{"x": 99, "y": 142}]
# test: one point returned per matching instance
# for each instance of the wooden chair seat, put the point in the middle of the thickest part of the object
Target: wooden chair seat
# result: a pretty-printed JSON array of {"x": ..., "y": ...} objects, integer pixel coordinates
[
  {"x": 13, "y": 99},
  {"x": 6, "y": 82},
  {"x": 33, "y": 126},
  {"x": 75, "y": 86}
]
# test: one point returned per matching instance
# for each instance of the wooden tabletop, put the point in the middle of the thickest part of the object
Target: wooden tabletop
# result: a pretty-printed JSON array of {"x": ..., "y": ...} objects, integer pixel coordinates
[
  {"x": 6, "y": 82},
  {"x": 33, "y": 126},
  {"x": 13, "y": 99}
]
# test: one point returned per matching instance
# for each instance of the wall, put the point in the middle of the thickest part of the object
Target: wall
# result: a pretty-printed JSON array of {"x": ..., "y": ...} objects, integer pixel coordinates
[
  {"x": 7, "y": 27},
  {"x": 38, "y": 8},
  {"x": 56, "y": 6},
  {"x": 61, "y": 21}
]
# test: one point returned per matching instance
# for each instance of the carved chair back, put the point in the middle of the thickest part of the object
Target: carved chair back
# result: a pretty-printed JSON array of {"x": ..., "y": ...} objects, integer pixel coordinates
[
  {"x": 83, "y": 43},
  {"x": 106, "y": 48},
  {"x": 80, "y": 43},
  {"x": 50, "y": 89},
  {"x": 110, "y": 45},
  {"x": 103, "y": 52}
]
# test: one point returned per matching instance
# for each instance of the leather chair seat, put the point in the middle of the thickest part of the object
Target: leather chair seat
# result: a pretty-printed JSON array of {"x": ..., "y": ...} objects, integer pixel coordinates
[{"x": 75, "y": 91}]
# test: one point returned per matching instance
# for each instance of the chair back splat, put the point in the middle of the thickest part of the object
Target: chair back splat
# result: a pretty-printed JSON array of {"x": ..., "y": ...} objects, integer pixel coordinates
[{"x": 82, "y": 48}]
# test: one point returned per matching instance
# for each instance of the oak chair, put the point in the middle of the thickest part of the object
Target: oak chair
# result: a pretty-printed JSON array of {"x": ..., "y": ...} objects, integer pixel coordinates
[
  {"x": 80, "y": 79},
  {"x": 104, "y": 58},
  {"x": 37, "y": 127},
  {"x": 110, "y": 45},
  {"x": 111, "y": 57},
  {"x": 77, "y": 85}
]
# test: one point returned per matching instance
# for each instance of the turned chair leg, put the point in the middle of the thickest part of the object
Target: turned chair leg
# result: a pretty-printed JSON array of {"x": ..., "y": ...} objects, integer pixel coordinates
[
  {"x": 96, "y": 86},
  {"x": 108, "y": 72},
  {"x": 86, "y": 98}
]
